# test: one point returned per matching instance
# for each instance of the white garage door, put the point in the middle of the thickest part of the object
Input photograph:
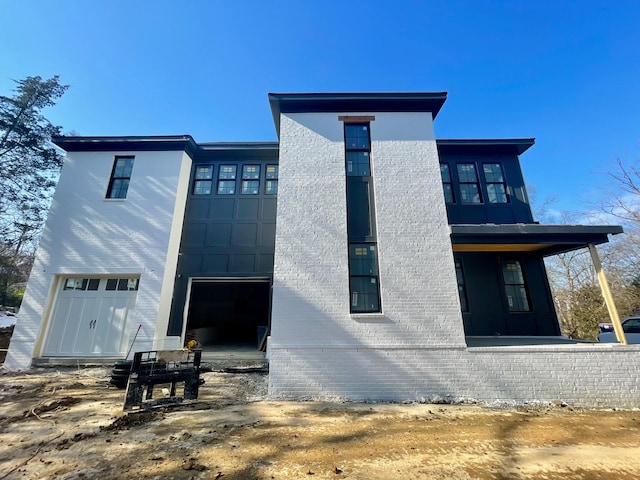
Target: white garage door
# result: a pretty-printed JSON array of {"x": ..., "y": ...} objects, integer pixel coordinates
[{"x": 92, "y": 317}]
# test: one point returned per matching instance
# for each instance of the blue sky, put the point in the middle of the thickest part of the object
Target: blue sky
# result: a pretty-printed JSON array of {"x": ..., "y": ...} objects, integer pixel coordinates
[{"x": 566, "y": 73}]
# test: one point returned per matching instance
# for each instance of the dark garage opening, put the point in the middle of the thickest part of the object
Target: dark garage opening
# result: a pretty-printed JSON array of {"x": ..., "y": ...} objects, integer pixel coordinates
[{"x": 228, "y": 313}]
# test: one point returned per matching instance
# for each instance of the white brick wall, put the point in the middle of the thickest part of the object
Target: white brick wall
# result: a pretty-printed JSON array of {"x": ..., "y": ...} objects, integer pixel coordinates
[
  {"x": 311, "y": 283},
  {"x": 589, "y": 376},
  {"x": 86, "y": 234}
]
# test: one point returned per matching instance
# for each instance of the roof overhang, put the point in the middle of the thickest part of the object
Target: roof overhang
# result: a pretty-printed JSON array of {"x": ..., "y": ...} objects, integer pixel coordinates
[
  {"x": 515, "y": 146},
  {"x": 542, "y": 239},
  {"x": 127, "y": 144},
  {"x": 354, "y": 102}
]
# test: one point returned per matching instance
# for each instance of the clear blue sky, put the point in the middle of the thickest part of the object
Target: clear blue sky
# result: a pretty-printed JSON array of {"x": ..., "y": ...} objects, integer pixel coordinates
[{"x": 566, "y": 73}]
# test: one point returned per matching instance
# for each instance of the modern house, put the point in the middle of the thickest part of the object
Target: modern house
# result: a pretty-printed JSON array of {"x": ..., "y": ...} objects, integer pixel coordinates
[{"x": 385, "y": 263}]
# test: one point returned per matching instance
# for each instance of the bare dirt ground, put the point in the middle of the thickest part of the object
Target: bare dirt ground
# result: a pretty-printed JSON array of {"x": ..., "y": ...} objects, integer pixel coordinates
[{"x": 69, "y": 424}]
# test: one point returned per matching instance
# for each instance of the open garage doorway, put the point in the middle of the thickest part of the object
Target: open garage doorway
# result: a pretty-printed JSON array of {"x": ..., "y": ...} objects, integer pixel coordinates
[{"x": 228, "y": 313}]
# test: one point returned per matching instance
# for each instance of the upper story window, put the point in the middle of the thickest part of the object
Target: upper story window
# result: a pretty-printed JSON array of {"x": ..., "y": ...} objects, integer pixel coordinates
[
  {"x": 271, "y": 184},
  {"x": 514, "y": 286},
  {"x": 203, "y": 181},
  {"x": 496, "y": 186},
  {"x": 356, "y": 136},
  {"x": 469, "y": 185},
  {"x": 120, "y": 176},
  {"x": 251, "y": 172},
  {"x": 447, "y": 185},
  {"x": 227, "y": 179}
]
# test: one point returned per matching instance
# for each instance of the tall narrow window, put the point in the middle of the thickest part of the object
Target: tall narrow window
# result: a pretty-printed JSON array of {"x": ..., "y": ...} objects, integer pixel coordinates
[
  {"x": 462, "y": 291},
  {"x": 120, "y": 176},
  {"x": 515, "y": 287},
  {"x": 203, "y": 180},
  {"x": 469, "y": 186},
  {"x": 271, "y": 183},
  {"x": 364, "y": 287},
  {"x": 445, "y": 173},
  {"x": 496, "y": 186}
]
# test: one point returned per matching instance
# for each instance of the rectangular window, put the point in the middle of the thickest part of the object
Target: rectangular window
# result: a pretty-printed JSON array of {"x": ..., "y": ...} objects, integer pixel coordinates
[
  {"x": 515, "y": 287},
  {"x": 271, "y": 185},
  {"x": 272, "y": 172},
  {"x": 445, "y": 173},
  {"x": 462, "y": 291},
  {"x": 251, "y": 172},
  {"x": 363, "y": 260},
  {"x": 469, "y": 186},
  {"x": 250, "y": 187},
  {"x": 226, "y": 187},
  {"x": 120, "y": 176},
  {"x": 496, "y": 186},
  {"x": 227, "y": 172},
  {"x": 90, "y": 284},
  {"x": 356, "y": 136},
  {"x": 122, "y": 284},
  {"x": 203, "y": 181}
]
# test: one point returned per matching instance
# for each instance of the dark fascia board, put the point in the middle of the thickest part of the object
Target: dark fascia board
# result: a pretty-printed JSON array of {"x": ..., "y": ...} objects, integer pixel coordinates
[
  {"x": 558, "y": 238},
  {"x": 244, "y": 146},
  {"x": 128, "y": 143},
  {"x": 354, "y": 102},
  {"x": 515, "y": 146}
]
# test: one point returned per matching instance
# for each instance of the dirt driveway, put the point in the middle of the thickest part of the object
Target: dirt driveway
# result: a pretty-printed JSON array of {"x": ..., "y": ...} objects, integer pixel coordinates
[{"x": 68, "y": 424}]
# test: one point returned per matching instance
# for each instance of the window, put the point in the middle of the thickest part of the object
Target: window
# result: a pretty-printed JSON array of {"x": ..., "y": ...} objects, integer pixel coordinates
[
  {"x": 469, "y": 187},
  {"x": 251, "y": 172},
  {"x": 271, "y": 185},
  {"x": 122, "y": 284},
  {"x": 445, "y": 173},
  {"x": 363, "y": 260},
  {"x": 203, "y": 180},
  {"x": 356, "y": 136},
  {"x": 462, "y": 291},
  {"x": 90, "y": 284},
  {"x": 226, "y": 187},
  {"x": 250, "y": 187},
  {"x": 514, "y": 285},
  {"x": 227, "y": 180},
  {"x": 227, "y": 172},
  {"x": 496, "y": 187},
  {"x": 120, "y": 176}
]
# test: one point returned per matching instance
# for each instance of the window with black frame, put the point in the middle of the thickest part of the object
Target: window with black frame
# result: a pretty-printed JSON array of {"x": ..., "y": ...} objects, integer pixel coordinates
[
  {"x": 469, "y": 184},
  {"x": 203, "y": 180},
  {"x": 515, "y": 287},
  {"x": 120, "y": 177},
  {"x": 447, "y": 185},
  {"x": 496, "y": 185},
  {"x": 364, "y": 286}
]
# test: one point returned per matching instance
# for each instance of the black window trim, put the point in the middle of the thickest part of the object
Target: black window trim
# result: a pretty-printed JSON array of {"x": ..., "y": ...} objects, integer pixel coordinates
[{"x": 113, "y": 178}]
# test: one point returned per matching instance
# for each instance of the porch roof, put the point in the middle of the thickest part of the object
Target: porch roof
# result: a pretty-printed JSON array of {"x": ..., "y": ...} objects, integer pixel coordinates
[{"x": 543, "y": 239}]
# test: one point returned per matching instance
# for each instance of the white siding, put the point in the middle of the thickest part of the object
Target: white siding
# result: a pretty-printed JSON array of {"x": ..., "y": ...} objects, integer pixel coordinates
[{"x": 86, "y": 233}]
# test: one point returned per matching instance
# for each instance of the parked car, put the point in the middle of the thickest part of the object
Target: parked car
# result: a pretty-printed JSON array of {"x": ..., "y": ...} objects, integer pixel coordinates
[{"x": 631, "y": 327}]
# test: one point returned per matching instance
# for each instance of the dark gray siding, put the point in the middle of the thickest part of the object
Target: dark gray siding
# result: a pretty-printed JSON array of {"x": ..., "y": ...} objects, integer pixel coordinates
[
  {"x": 488, "y": 311},
  {"x": 517, "y": 210},
  {"x": 226, "y": 235}
]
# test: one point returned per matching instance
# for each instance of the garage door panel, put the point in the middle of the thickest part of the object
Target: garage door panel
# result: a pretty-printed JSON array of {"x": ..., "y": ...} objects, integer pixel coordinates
[{"x": 92, "y": 322}]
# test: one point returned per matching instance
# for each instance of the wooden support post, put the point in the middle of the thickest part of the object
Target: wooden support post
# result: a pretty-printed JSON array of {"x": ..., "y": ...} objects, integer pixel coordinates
[{"x": 608, "y": 298}]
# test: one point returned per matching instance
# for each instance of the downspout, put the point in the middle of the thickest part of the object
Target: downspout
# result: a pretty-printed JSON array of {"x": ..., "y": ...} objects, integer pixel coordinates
[{"x": 608, "y": 298}]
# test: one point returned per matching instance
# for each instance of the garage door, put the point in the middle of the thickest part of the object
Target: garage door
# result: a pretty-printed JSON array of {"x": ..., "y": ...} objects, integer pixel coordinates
[{"x": 92, "y": 317}]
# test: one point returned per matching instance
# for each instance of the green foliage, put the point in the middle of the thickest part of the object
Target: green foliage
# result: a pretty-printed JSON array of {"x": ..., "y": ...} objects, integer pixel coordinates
[
  {"x": 29, "y": 168},
  {"x": 29, "y": 163}
]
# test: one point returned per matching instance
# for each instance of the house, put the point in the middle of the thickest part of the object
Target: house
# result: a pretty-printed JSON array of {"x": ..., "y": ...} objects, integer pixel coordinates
[{"x": 387, "y": 264}]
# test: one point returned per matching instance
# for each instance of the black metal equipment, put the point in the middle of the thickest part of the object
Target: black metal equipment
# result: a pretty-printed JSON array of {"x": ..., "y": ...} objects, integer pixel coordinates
[{"x": 175, "y": 369}]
